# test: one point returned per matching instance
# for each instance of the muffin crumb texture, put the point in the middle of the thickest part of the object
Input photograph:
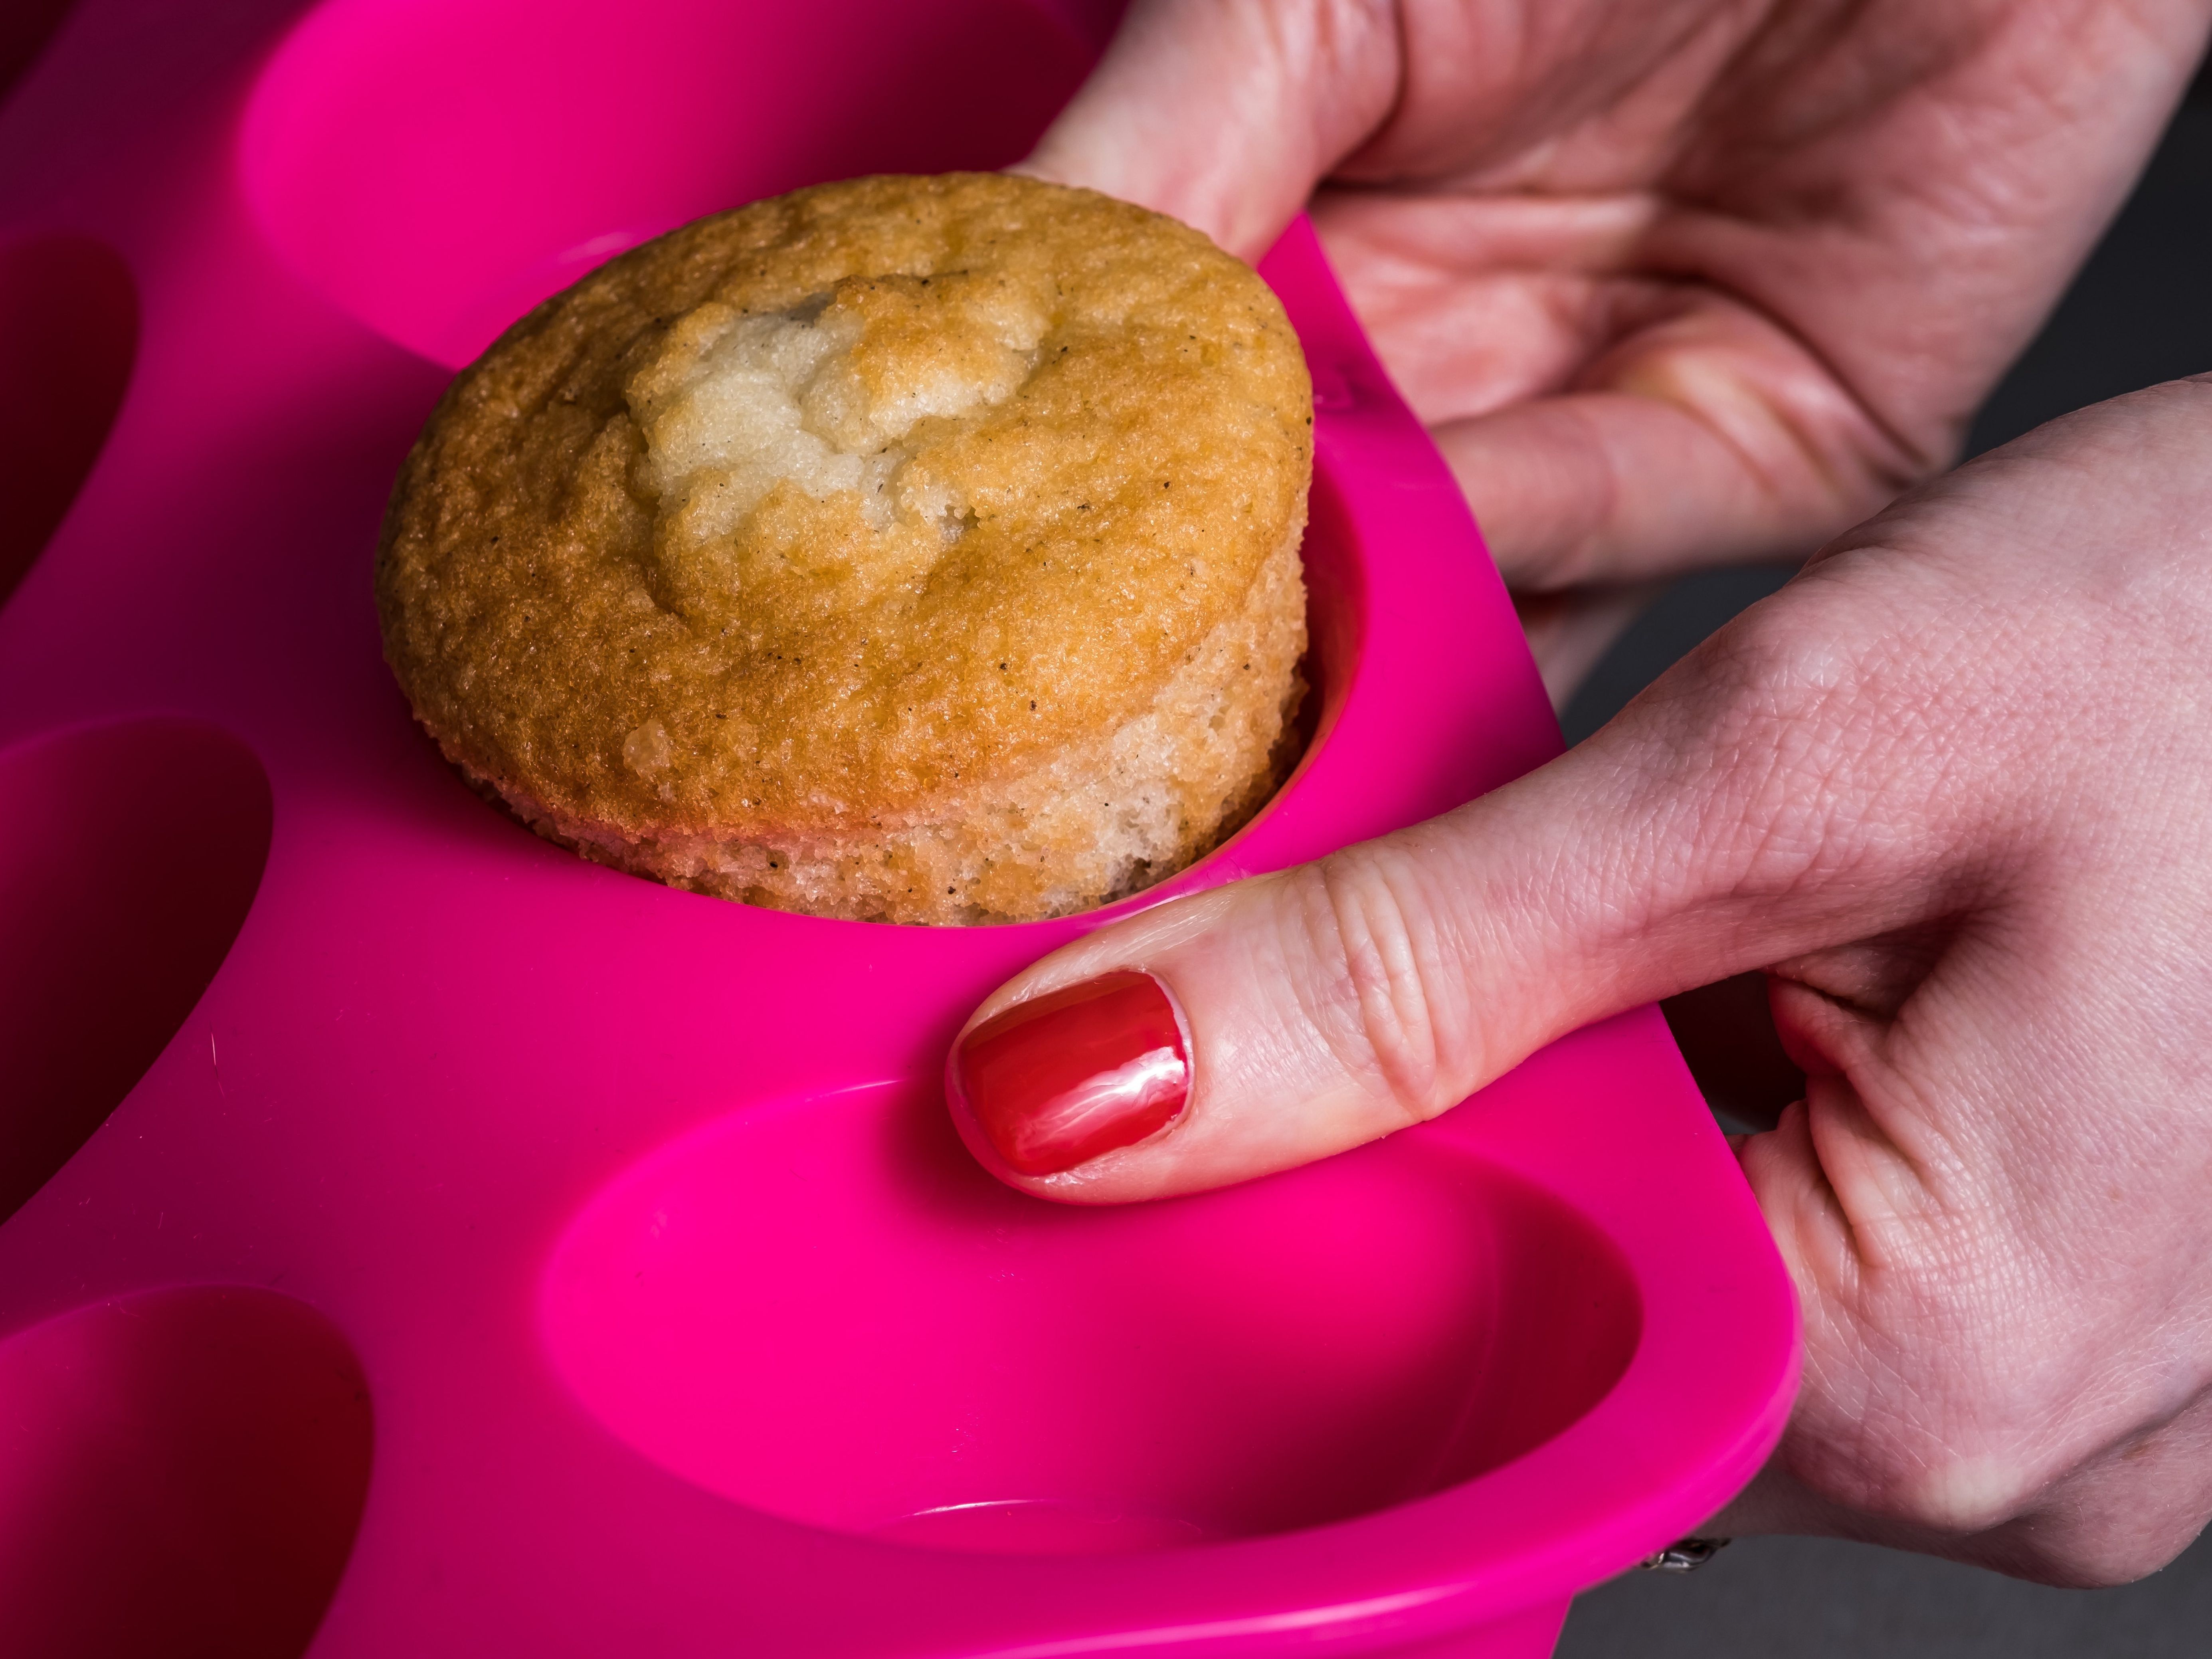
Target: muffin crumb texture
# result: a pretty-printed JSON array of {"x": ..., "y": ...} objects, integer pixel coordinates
[{"x": 913, "y": 549}]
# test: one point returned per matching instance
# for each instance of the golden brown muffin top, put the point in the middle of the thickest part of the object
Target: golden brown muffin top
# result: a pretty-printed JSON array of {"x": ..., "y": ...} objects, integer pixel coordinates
[{"x": 1004, "y": 452}]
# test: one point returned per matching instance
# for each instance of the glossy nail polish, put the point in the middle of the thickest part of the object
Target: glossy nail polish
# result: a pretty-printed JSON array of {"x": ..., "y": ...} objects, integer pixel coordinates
[{"x": 1057, "y": 1080}]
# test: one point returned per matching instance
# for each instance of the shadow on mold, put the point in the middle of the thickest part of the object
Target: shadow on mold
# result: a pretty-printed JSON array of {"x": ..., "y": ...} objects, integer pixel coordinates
[
  {"x": 423, "y": 164},
  {"x": 68, "y": 334},
  {"x": 130, "y": 855},
  {"x": 26, "y": 26},
  {"x": 825, "y": 1309},
  {"x": 181, "y": 1473}
]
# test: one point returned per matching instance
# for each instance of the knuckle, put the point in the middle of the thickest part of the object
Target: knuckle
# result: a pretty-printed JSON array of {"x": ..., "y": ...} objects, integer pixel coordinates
[
  {"x": 1963, "y": 1495},
  {"x": 2009, "y": 1478},
  {"x": 1797, "y": 727},
  {"x": 1945, "y": 1501},
  {"x": 1376, "y": 995}
]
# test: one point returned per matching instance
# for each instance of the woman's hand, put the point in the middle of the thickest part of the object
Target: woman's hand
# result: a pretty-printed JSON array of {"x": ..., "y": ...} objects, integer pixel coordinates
[
  {"x": 1675, "y": 282},
  {"x": 1951, "y": 787}
]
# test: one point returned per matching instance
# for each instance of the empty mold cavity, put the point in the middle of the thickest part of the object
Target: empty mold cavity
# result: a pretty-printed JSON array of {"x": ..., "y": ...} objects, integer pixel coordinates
[
  {"x": 128, "y": 856},
  {"x": 181, "y": 1473},
  {"x": 437, "y": 168},
  {"x": 825, "y": 1309},
  {"x": 69, "y": 332}
]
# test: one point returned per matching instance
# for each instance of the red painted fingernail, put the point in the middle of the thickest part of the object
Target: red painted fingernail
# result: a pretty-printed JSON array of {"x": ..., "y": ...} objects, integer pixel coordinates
[{"x": 1058, "y": 1079}]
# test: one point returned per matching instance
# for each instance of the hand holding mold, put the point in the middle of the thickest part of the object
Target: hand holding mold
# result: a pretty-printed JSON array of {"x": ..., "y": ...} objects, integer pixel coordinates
[
  {"x": 1680, "y": 285},
  {"x": 1672, "y": 285}
]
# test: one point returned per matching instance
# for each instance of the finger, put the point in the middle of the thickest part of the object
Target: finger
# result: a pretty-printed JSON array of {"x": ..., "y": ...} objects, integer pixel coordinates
[
  {"x": 1630, "y": 433},
  {"x": 1223, "y": 114},
  {"x": 1719, "y": 825},
  {"x": 1610, "y": 423},
  {"x": 1705, "y": 434},
  {"x": 1702, "y": 469}
]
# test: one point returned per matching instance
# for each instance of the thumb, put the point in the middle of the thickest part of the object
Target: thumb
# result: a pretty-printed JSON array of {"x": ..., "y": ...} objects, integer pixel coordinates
[
  {"x": 1722, "y": 824},
  {"x": 1224, "y": 113}
]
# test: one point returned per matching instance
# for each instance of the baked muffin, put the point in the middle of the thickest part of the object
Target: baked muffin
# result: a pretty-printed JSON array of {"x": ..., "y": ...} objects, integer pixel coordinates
[{"x": 912, "y": 548}]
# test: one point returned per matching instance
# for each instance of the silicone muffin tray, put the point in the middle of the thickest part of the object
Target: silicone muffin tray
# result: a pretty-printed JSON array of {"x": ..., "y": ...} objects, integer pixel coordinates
[{"x": 425, "y": 1243}]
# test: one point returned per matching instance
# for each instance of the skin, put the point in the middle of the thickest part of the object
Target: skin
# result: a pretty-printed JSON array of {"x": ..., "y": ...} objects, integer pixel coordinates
[
  {"x": 1675, "y": 282},
  {"x": 1949, "y": 787}
]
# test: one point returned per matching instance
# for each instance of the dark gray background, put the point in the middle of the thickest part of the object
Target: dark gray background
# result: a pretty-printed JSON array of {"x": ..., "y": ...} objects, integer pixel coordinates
[{"x": 2140, "y": 313}]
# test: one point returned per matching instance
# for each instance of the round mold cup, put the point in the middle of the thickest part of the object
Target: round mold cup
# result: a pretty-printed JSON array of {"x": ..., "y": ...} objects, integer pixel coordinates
[
  {"x": 112, "y": 923},
  {"x": 437, "y": 168},
  {"x": 181, "y": 1472},
  {"x": 68, "y": 335},
  {"x": 825, "y": 1309}
]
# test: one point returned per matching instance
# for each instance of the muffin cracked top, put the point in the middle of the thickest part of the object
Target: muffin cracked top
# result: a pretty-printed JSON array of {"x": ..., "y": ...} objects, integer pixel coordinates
[{"x": 839, "y": 508}]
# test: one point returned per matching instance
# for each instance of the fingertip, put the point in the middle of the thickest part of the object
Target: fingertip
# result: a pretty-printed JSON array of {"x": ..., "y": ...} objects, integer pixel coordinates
[
  {"x": 1223, "y": 116},
  {"x": 1055, "y": 1081}
]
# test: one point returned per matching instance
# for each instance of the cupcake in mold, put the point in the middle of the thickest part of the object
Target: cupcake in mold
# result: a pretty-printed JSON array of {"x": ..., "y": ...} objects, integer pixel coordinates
[{"x": 918, "y": 549}]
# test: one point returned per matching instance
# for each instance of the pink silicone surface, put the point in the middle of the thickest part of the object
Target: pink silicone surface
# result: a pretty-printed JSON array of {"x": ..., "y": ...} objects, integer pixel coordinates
[{"x": 429, "y": 1244}]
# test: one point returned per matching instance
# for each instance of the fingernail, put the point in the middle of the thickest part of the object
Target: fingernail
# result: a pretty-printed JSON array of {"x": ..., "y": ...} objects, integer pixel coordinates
[{"x": 1057, "y": 1080}]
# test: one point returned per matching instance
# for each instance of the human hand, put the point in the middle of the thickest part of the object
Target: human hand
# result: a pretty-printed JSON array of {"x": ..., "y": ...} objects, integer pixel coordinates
[
  {"x": 1950, "y": 789},
  {"x": 1673, "y": 284}
]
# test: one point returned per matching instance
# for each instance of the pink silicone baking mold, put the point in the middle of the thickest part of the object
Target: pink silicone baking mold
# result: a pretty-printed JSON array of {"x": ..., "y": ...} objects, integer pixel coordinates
[{"x": 431, "y": 1244}]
